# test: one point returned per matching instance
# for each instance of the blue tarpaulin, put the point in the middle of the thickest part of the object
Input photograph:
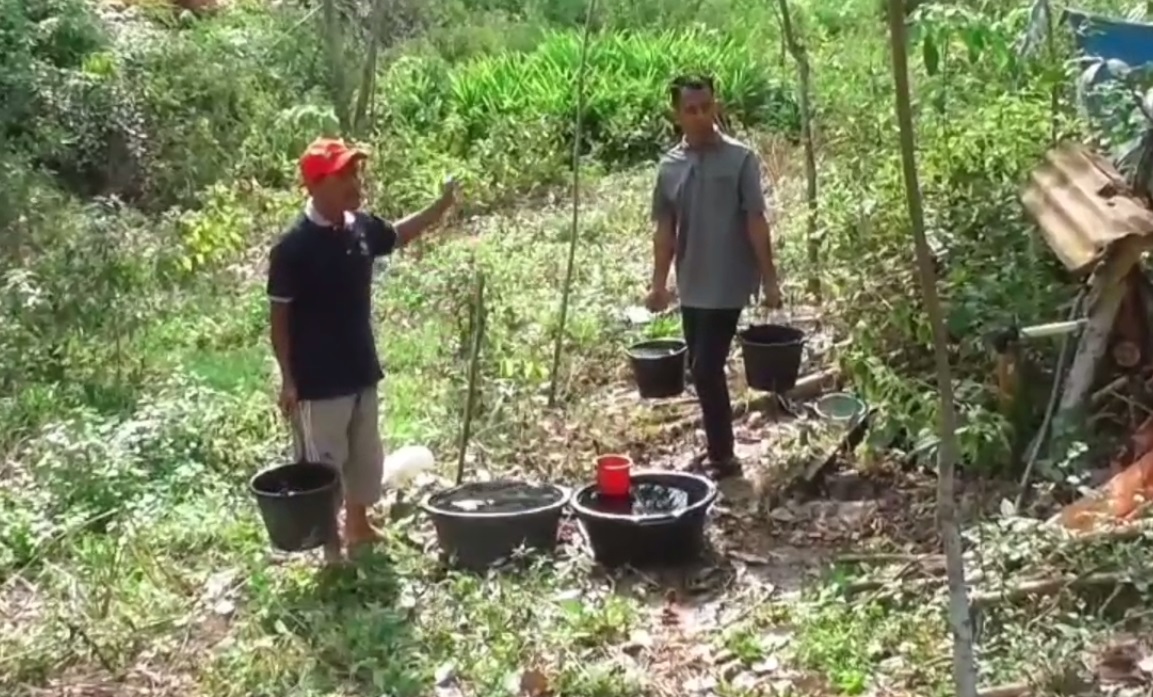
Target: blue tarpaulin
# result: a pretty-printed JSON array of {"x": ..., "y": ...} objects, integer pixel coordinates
[
  {"x": 1112, "y": 39},
  {"x": 1109, "y": 39}
]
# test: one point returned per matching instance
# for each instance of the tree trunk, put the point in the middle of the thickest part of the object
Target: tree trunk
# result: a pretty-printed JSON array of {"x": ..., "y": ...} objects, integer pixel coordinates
[
  {"x": 337, "y": 85},
  {"x": 364, "y": 93},
  {"x": 964, "y": 662},
  {"x": 805, "y": 91}
]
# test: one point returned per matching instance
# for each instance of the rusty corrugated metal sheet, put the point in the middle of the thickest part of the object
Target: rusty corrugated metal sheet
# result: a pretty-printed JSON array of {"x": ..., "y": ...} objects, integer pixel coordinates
[{"x": 1083, "y": 206}]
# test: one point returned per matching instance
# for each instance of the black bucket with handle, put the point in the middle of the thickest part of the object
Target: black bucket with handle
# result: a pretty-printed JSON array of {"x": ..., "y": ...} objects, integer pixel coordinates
[
  {"x": 772, "y": 356},
  {"x": 298, "y": 504},
  {"x": 659, "y": 367}
]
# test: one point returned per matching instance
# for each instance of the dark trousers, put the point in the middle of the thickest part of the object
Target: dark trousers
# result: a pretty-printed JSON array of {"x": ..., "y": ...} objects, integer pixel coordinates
[{"x": 709, "y": 336}]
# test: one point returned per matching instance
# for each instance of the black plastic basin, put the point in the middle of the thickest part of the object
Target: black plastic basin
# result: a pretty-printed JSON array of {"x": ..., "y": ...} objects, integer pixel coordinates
[
  {"x": 502, "y": 516},
  {"x": 664, "y": 539}
]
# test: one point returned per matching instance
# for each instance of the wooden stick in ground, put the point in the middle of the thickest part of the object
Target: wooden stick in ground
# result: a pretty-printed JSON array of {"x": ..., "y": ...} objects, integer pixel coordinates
[
  {"x": 478, "y": 322},
  {"x": 576, "y": 182},
  {"x": 804, "y": 93},
  {"x": 964, "y": 661}
]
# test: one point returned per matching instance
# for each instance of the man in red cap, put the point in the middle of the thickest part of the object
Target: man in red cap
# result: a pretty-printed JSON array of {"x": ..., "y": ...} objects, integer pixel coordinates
[{"x": 320, "y": 288}]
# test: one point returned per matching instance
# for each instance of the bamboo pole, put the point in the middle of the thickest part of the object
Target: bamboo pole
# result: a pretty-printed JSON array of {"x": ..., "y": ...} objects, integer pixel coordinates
[
  {"x": 554, "y": 377},
  {"x": 478, "y": 324},
  {"x": 964, "y": 662}
]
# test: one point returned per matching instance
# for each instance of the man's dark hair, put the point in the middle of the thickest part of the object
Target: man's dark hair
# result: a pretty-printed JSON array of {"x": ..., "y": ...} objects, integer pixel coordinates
[{"x": 689, "y": 82}]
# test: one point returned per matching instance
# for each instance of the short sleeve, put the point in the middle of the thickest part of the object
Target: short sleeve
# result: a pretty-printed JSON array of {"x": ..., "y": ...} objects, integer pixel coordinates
[
  {"x": 752, "y": 197},
  {"x": 381, "y": 236},
  {"x": 282, "y": 275},
  {"x": 661, "y": 210}
]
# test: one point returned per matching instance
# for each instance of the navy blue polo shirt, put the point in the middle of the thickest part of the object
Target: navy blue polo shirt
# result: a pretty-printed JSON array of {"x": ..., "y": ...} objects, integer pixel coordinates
[{"x": 324, "y": 274}]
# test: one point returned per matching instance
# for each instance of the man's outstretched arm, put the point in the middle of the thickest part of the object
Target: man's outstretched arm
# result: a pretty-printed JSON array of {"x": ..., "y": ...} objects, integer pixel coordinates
[{"x": 413, "y": 226}]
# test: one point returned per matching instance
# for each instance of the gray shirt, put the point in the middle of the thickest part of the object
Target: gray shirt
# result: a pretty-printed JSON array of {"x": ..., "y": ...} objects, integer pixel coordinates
[{"x": 710, "y": 193}]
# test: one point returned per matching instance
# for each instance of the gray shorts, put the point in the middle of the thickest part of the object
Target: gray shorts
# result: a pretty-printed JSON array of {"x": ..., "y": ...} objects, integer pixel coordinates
[{"x": 344, "y": 433}]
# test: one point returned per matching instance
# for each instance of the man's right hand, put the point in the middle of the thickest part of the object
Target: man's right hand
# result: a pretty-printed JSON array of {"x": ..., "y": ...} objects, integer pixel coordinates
[
  {"x": 659, "y": 299},
  {"x": 288, "y": 399},
  {"x": 771, "y": 292}
]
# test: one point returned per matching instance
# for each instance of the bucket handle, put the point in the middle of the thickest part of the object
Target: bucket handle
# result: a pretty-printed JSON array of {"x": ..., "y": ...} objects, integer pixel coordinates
[{"x": 787, "y": 306}]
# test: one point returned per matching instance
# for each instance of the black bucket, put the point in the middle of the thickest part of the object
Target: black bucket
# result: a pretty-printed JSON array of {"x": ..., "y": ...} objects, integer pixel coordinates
[
  {"x": 772, "y": 356},
  {"x": 298, "y": 503},
  {"x": 667, "y": 539},
  {"x": 659, "y": 367},
  {"x": 480, "y": 524}
]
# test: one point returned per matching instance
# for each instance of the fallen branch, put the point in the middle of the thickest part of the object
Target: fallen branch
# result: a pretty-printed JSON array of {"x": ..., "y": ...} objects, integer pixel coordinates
[
  {"x": 866, "y": 585},
  {"x": 1048, "y": 586},
  {"x": 1016, "y": 689},
  {"x": 930, "y": 578},
  {"x": 807, "y": 387},
  {"x": 891, "y": 558},
  {"x": 1100, "y": 396},
  {"x": 1012, "y": 592}
]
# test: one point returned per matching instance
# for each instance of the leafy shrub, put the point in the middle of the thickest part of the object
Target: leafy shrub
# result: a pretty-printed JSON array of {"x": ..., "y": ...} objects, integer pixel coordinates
[
  {"x": 38, "y": 35},
  {"x": 94, "y": 472},
  {"x": 627, "y": 100}
]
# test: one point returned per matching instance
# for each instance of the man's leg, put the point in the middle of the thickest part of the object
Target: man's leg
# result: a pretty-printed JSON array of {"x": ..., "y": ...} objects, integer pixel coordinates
[
  {"x": 364, "y": 468},
  {"x": 715, "y": 330},
  {"x": 321, "y": 437},
  {"x": 689, "y": 329}
]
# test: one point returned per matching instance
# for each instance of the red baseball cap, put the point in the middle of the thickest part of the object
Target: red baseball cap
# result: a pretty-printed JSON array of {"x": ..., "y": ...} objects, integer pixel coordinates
[{"x": 327, "y": 156}]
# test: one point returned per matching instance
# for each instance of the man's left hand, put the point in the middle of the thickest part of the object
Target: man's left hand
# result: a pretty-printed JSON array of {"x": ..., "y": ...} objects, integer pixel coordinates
[{"x": 771, "y": 292}]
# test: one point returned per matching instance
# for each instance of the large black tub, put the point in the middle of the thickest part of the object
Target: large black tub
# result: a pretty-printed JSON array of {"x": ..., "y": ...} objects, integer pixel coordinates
[
  {"x": 618, "y": 536},
  {"x": 479, "y": 524}
]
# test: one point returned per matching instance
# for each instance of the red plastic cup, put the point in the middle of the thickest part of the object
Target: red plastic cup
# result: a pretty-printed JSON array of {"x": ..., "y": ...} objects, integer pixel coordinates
[{"x": 613, "y": 477}]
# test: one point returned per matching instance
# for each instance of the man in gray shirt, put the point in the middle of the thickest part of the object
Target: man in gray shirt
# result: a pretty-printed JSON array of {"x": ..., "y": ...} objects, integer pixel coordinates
[{"x": 710, "y": 216}]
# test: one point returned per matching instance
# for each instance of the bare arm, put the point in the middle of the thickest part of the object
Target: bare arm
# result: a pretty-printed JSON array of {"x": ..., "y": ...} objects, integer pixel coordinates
[
  {"x": 282, "y": 289},
  {"x": 756, "y": 223},
  {"x": 664, "y": 236},
  {"x": 664, "y": 250},
  {"x": 761, "y": 238},
  {"x": 413, "y": 226},
  {"x": 278, "y": 333}
]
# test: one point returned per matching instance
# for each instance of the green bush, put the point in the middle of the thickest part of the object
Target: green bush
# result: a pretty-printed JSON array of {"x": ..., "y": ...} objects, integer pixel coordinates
[{"x": 627, "y": 78}]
